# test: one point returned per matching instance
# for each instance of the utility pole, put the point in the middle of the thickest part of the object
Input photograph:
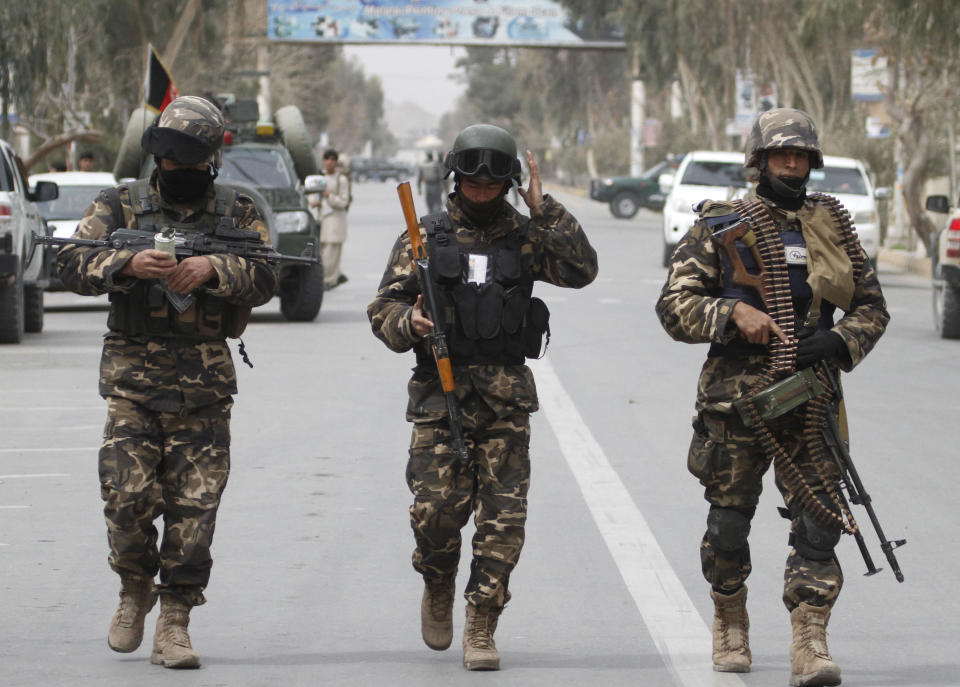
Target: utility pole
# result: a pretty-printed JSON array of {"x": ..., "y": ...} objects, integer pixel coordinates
[{"x": 637, "y": 116}]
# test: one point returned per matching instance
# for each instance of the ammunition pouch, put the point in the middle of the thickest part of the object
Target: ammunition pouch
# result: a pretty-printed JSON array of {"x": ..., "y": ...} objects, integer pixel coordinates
[{"x": 780, "y": 398}]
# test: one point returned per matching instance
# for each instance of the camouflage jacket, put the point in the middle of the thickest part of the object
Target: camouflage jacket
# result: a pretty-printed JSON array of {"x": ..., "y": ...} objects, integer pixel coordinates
[
  {"x": 165, "y": 373},
  {"x": 561, "y": 255},
  {"x": 692, "y": 310}
]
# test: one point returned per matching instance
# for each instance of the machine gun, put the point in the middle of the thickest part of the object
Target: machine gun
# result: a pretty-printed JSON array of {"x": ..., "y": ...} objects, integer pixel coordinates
[
  {"x": 801, "y": 387},
  {"x": 437, "y": 338},
  {"x": 850, "y": 482}
]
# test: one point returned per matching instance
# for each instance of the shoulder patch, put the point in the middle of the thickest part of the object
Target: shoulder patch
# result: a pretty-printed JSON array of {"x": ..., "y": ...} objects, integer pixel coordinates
[{"x": 713, "y": 208}]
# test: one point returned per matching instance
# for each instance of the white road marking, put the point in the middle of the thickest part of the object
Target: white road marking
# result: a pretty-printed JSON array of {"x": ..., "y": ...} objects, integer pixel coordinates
[
  {"x": 13, "y": 507},
  {"x": 64, "y": 449},
  {"x": 35, "y": 475},
  {"x": 679, "y": 633}
]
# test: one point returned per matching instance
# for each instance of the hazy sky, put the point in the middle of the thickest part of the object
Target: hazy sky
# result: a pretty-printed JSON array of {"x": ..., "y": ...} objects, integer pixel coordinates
[{"x": 418, "y": 73}]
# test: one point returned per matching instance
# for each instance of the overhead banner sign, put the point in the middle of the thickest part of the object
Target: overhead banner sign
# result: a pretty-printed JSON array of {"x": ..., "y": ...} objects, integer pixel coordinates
[{"x": 530, "y": 23}]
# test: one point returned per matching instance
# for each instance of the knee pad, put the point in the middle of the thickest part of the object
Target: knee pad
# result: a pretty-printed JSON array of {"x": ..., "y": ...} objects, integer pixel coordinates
[
  {"x": 728, "y": 528},
  {"x": 813, "y": 539}
]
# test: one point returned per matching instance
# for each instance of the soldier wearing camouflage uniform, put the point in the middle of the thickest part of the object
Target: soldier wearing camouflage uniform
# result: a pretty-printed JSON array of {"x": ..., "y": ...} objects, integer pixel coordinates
[
  {"x": 486, "y": 257},
  {"x": 167, "y": 376},
  {"x": 838, "y": 313}
]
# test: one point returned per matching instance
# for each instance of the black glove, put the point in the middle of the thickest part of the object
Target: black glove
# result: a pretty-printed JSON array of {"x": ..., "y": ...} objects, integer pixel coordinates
[{"x": 814, "y": 345}]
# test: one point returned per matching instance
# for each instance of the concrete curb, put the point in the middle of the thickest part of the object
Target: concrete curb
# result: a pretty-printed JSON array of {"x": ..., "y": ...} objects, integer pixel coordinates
[{"x": 905, "y": 261}]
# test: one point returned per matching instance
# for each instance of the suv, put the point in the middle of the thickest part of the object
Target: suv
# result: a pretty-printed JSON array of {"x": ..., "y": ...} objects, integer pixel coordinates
[
  {"x": 626, "y": 195},
  {"x": 76, "y": 191},
  {"x": 267, "y": 161},
  {"x": 703, "y": 174},
  {"x": 945, "y": 269},
  {"x": 847, "y": 180},
  {"x": 374, "y": 169},
  {"x": 21, "y": 279}
]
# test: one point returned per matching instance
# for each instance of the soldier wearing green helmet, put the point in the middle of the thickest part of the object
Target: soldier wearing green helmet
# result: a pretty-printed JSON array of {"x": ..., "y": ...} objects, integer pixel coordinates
[
  {"x": 485, "y": 256},
  {"x": 166, "y": 372},
  {"x": 775, "y": 284}
]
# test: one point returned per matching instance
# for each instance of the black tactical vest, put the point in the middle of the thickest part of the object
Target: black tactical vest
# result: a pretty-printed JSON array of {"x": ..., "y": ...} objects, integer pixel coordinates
[
  {"x": 491, "y": 317},
  {"x": 145, "y": 310}
]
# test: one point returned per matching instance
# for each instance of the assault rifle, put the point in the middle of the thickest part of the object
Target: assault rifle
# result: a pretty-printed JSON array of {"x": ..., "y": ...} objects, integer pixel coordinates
[
  {"x": 437, "y": 338},
  {"x": 850, "y": 481},
  {"x": 244, "y": 243}
]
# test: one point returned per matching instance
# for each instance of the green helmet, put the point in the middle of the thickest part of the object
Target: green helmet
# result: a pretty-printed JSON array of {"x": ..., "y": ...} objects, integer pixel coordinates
[
  {"x": 188, "y": 131},
  {"x": 484, "y": 151},
  {"x": 783, "y": 127}
]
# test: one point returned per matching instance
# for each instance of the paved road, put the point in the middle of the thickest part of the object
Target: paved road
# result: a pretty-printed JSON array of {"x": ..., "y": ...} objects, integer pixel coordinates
[{"x": 312, "y": 583}]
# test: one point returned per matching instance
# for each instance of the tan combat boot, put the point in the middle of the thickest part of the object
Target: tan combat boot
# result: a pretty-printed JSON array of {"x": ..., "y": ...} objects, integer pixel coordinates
[
  {"x": 479, "y": 649},
  {"x": 810, "y": 661},
  {"x": 171, "y": 643},
  {"x": 436, "y": 613},
  {"x": 731, "y": 632},
  {"x": 137, "y": 597}
]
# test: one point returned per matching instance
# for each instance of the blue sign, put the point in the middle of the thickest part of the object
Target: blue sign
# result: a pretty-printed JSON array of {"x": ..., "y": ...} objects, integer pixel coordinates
[{"x": 444, "y": 22}]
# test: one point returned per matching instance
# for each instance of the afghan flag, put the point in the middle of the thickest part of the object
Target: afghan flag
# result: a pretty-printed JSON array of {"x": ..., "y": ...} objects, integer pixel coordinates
[{"x": 158, "y": 86}]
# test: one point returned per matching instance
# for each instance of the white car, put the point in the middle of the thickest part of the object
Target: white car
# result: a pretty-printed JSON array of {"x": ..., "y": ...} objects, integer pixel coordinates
[
  {"x": 77, "y": 191},
  {"x": 716, "y": 175},
  {"x": 847, "y": 180},
  {"x": 702, "y": 175}
]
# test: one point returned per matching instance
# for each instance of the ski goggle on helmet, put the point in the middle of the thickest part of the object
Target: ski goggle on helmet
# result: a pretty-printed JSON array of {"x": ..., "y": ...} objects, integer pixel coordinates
[
  {"x": 484, "y": 150},
  {"x": 479, "y": 162}
]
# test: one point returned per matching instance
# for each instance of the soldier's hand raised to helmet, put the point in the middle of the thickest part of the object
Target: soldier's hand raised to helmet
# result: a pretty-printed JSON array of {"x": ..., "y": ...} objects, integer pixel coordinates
[{"x": 533, "y": 196}]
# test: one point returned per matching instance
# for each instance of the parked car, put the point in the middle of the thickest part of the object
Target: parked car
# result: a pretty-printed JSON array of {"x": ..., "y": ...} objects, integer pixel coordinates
[
  {"x": 847, "y": 180},
  {"x": 21, "y": 279},
  {"x": 626, "y": 195},
  {"x": 267, "y": 160},
  {"x": 63, "y": 213},
  {"x": 945, "y": 269},
  {"x": 703, "y": 174},
  {"x": 375, "y": 169}
]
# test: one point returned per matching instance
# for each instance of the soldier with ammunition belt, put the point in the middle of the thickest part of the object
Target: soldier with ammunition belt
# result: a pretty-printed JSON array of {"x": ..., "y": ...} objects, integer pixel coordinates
[{"x": 775, "y": 284}]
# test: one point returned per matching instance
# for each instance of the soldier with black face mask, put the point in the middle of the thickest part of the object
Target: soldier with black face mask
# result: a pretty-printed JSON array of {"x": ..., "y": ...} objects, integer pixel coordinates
[
  {"x": 166, "y": 372},
  {"x": 486, "y": 257},
  {"x": 776, "y": 284}
]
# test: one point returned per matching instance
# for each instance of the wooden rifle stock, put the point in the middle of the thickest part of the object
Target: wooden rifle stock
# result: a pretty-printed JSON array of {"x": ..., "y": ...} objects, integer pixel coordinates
[
  {"x": 437, "y": 339},
  {"x": 726, "y": 239}
]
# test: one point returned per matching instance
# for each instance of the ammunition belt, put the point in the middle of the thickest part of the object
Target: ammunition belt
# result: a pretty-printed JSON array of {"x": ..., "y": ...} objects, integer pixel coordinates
[{"x": 781, "y": 363}]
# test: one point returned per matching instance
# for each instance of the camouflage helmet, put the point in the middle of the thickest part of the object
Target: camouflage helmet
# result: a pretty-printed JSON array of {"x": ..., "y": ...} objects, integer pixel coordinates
[
  {"x": 783, "y": 127},
  {"x": 484, "y": 151},
  {"x": 188, "y": 131}
]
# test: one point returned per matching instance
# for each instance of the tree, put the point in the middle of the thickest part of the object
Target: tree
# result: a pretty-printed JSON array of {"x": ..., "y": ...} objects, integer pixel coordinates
[{"x": 919, "y": 37}]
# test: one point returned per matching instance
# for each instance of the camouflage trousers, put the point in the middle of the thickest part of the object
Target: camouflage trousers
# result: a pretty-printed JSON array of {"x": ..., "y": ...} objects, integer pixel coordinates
[
  {"x": 157, "y": 464},
  {"x": 493, "y": 485},
  {"x": 728, "y": 460}
]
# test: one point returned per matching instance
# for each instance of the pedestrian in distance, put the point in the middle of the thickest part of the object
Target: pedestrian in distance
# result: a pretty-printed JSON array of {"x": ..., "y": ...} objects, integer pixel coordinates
[
  {"x": 333, "y": 219},
  {"x": 85, "y": 162},
  {"x": 484, "y": 257},
  {"x": 431, "y": 183},
  {"x": 166, "y": 371},
  {"x": 776, "y": 284}
]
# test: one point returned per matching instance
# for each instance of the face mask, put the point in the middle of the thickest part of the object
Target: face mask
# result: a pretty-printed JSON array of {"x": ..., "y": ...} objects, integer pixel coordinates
[
  {"x": 184, "y": 185},
  {"x": 480, "y": 214}
]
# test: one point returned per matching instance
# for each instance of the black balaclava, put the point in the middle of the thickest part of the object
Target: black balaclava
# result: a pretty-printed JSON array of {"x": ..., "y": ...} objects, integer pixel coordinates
[
  {"x": 787, "y": 192},
  {"x": 481, "y": 214},
  {"x": 184, "y": 185}
]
